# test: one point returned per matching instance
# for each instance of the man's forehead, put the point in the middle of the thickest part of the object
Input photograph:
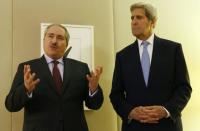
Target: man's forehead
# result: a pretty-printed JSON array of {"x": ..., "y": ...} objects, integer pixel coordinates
[
  {"x": 55, "y": 29},
  {"x": 138, "y": 11}
]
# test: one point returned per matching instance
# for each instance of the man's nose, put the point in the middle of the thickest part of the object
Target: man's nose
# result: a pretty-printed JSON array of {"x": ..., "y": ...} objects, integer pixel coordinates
[
  {"x": 54, "y": 40},
  {"x": 134, "y": 21}
]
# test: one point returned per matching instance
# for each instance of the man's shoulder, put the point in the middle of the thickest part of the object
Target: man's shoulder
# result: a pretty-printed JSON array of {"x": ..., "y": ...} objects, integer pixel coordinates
[
  {"x": 74, "y": 62},
  {"x": 128, "y": 49},
  {"x": 166, "y": 42},
  {"x": 32, "y": 61}
]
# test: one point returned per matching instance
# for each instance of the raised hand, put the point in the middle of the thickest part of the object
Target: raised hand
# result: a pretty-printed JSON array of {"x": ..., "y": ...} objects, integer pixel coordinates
[
  {"x": 93, "y": 78},
  {"x": 30, "y": 81}
]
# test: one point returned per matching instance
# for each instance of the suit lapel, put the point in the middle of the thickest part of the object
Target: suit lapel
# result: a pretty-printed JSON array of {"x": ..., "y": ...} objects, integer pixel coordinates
[
  {"x": 136, "y": 63},
  {"x": 155, "y": 61},
  {"x": 67, "y": 73}
]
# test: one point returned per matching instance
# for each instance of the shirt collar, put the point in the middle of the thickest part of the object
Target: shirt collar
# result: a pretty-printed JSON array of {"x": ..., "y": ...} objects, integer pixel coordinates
[
  {"x": 149, "y": 40},
  {"x": 49, "y": 59}
]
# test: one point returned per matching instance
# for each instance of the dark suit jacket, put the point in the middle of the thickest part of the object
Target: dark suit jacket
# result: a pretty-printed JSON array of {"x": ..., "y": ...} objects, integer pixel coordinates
[
  {"x": 168, "y": 85},
  {"x": 47, "y": 110}
]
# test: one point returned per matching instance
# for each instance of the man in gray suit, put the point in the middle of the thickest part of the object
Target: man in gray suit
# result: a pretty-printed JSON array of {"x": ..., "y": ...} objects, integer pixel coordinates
[{"x": 52, "y": 89}]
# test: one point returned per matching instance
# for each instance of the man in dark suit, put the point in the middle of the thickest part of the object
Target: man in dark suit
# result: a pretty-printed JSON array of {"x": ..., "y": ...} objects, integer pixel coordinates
[
  {"x": 150, "y": 83},
  {"x": 52, "y": 89}
]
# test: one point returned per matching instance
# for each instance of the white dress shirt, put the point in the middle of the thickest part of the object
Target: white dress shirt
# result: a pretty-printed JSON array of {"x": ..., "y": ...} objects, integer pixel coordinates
[
  {"x": 149, "y": 47},
  {"x": 51, "y": 64}
]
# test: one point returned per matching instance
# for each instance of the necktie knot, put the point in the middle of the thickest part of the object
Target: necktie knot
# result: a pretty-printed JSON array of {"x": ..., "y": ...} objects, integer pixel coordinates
[
  {"x": 55, "y": 62},
  {"x": 145, "y": 44}
]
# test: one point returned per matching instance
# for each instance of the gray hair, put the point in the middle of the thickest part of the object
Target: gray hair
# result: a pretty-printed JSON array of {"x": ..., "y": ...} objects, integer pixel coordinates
[
  {"x": 150, "y": 11},
  {"x": 67, "y": 36}
]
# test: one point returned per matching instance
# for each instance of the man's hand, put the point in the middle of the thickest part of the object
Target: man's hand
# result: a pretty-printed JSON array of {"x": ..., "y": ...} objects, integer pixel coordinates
[
  {"x": 29, "y": 79},
  {"x": 93, "y": 78},
  {"x": 148, "y": 114},
  {"x": 156, "y": 111}
]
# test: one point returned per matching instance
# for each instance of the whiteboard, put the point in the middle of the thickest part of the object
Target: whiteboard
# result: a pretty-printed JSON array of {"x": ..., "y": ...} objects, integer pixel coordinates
[{"x": 81, "y": 41}]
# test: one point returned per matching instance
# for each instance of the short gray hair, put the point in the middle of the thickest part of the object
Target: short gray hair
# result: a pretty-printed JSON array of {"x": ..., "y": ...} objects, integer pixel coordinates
[
  {"x": 67, "y": 36},
  {"x": 150, "y": 11}
]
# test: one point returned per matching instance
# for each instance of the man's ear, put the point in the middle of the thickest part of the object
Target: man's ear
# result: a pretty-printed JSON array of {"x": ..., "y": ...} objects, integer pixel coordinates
[{"x": 154, "y": 23}]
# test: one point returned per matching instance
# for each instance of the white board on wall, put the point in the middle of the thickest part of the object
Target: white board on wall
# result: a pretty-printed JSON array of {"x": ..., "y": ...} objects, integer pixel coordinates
[{"x": 81, "y": 41}]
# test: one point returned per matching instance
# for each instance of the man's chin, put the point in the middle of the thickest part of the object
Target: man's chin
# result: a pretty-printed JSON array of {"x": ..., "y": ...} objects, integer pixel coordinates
[
  {"x": 54, "y": 56},
  {"x": 136, "y": 34}
]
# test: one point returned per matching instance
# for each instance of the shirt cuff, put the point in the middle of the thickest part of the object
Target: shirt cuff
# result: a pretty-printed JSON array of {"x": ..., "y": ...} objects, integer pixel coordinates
[
  {"x": 168, "y": 113},
  {"x": 30, "y": 95},
  {"x": 92, "y": 94}
]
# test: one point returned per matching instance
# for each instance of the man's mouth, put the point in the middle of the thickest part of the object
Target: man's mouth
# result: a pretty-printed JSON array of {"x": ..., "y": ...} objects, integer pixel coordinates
[{"x": 53, "y": 47}]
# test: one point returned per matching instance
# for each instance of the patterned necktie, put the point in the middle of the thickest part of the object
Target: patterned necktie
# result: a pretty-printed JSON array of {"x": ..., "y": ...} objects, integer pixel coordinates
[
  {"x": 145, "y": 61},
  {"x": 57, "y": 77}
]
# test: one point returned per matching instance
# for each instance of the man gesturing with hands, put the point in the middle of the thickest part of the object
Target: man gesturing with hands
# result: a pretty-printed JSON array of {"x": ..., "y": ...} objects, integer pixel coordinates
[
  {"x": 29, "y": 79},
  {"x": 52, "y": 89}
]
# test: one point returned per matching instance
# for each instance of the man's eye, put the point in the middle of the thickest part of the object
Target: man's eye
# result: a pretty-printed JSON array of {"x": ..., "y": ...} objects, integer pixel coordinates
[
  {"x": 60, "y": 38},
  {"x": 139, "y": 17},
  {"x": 132, "y": 17},
  {"x": 50, "y": 36}
]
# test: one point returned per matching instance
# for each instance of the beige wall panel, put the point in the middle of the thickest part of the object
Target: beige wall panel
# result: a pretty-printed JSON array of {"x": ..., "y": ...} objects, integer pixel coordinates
[
  {"x": 26, "y": 37},
  {"x": 6, "y": 61}
]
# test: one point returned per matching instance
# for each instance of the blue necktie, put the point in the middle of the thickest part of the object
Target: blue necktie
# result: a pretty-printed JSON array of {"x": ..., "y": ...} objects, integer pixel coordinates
[{"x": 145, "y": 61}]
